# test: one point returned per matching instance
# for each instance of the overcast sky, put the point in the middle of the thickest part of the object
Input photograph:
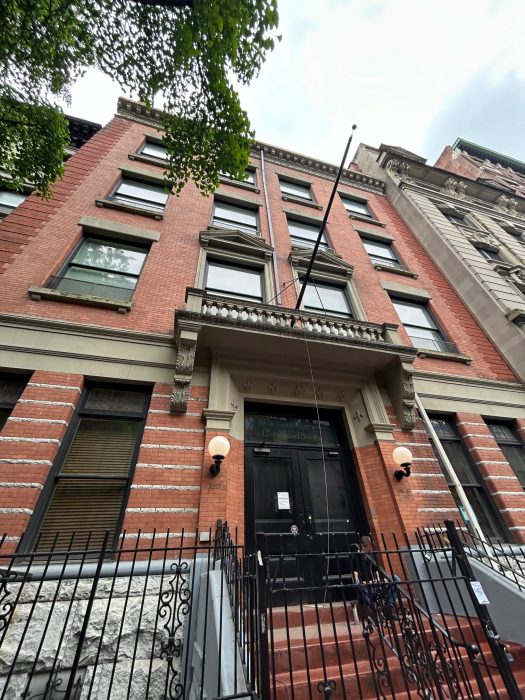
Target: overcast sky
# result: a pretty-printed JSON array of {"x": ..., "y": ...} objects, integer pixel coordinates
[{"x": 412, "y": 73}]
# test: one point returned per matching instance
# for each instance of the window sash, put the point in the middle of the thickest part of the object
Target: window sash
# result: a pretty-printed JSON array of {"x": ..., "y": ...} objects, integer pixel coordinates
[
  {"x": 142, "y": 194},
  {"x": 154, "y": 150},
  {"x": 356, "y": 206},
  {"x": 234, "y": 281},
  {"x": 381, "y": 253},
  {"x": 303, "y": 234},
  {"x": 99, "y": 267},
  {"x": 294, "y": 189},
  {"x": 89, "y": 486},
  {"x": 248, "y": 179},
  {"x": 420, "y": 326},
  {"x": 327, "y": 299},
  {"x": 489, "y": 254},
  {"x": 11, "y": 200},
  {"x": 468, "y": 476},
  {"x": 233, "y": 216}
]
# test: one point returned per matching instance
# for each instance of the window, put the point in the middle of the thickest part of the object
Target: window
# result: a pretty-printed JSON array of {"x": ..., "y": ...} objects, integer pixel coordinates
[
  {"x": 9, "y": 201},
  {"x": 381, "y": 253},
  {"x": 489, "y": 254},
  {"x": 303, "y": 234},
  {"x": 511, "y": 446},
  {"x": 224, "y": 279},
  {"x": 142, "y": 195},
  {"x": 249, "y": 177},
  {"x": 457, "y": 219},
  {"x": 11, "y": 387},
  {"x": 154, "y": 150},
  {"x": 102, "y": 268},
  {"x": 467, "y": 475},
  {"x": 421, "y": 327},
  {"x": 356, "y": 206},
  {"x": 294, "y": 189},
  {"x": 234, "y": 216},
  {"x": 327, "y": 298},
  {"x": 88, "y": 488}
]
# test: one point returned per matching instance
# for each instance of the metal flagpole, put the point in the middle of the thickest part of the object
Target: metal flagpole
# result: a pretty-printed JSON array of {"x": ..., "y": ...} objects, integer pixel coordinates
[{"x": 325, "y": 219}]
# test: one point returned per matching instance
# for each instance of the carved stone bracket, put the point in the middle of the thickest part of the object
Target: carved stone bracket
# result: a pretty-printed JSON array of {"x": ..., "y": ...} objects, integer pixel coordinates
[
  {"x": 399, "y": 168},
  {"x": 507, "y": 204},
  {"x": 186, "y": 336},
  {"x": 455, "y": 188},
  {"x": 483, "y": 239},
  {"x": 400, "y": 382}
]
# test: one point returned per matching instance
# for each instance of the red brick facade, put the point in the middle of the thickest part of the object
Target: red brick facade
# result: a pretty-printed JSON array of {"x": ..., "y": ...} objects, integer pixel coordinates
[{"x": 172, "y": 488}]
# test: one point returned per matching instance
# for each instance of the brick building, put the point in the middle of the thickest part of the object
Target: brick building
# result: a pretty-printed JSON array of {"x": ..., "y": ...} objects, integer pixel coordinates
[
  {"x": 92, "y": 360},
  {"x": 136, "y": 326}
]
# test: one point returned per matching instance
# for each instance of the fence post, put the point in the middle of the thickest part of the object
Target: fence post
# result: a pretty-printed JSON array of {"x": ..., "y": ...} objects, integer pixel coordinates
[
  {"x": 87, "y": 615},
  {"x": 261, "y": 564},
  {"x": 493, "y": 638}
]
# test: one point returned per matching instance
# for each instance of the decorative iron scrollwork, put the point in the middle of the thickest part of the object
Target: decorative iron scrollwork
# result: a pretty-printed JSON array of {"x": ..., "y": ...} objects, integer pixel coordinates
[
  {"x": 174, "y": 605},
  {"x": 6, "y": 605}
]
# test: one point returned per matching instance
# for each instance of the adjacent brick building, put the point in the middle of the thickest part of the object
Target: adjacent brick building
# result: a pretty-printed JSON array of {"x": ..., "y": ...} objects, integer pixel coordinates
[{"x": 137, "y": 326}]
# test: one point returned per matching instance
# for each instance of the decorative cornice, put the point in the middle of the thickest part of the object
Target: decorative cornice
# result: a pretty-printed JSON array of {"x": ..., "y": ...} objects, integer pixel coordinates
[
  {"x": 306, "y": 164},
  {"x": 138, "y": 112},
  {"x": 325, "y": 261},
  {"x": 236, "y": 240}
]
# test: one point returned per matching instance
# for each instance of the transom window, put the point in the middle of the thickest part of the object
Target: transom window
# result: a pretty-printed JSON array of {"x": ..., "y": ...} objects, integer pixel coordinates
[
  {"x": 421, "y": 327},
  {"x": 304, "y": 234},
  {"x": 10, "y": 201},
  {"x": 234, "y": 216},
  {"x": 240, "y": 282},
  {"x": 327, "y": 298},
  {"x": 295, "y": 189},
  {"x": 468, "y": 476},
  {"x": 90, "y": 482},
  {"x": 511, "y": 446},
  {"x": 154, "y": 150},
  {"x": 102, "y": 268},
  {"x": 381, "y": 253},
  {"x": 356, "y": 206},
  {"x": 140, "y": 194}
]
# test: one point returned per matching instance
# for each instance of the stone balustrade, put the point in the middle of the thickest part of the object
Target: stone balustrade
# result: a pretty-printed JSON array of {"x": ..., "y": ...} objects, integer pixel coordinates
[{"x": 279, "y": 319}]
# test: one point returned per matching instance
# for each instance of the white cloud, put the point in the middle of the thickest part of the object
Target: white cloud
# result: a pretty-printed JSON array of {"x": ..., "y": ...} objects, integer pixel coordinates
[{"x": 391, "y": 66}]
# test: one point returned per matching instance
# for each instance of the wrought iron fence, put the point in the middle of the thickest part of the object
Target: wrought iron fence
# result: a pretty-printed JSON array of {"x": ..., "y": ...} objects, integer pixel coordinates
[
  {"x": 124, "y": 622},
  {"x": 504, "y": 559},
  {"x": 395, "y": 620}
]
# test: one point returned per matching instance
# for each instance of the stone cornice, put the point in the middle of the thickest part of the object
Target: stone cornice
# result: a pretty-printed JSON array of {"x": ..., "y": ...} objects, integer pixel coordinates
[
  {"x": 137, "y": 112},
  {"x": 312, "y": 166},
  {"x": 486, "y": 207}
]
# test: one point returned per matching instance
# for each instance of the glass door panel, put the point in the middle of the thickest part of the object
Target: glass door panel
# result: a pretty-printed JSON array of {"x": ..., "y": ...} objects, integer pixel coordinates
[{"x": 330, "y": 506}]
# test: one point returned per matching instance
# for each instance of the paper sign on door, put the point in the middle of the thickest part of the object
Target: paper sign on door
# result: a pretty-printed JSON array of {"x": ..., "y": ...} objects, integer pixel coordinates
[{"x": 283, "y": 500}]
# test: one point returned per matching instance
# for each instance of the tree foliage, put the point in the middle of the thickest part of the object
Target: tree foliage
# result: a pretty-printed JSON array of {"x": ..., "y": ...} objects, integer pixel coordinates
[{"x": 187, "y": 53}]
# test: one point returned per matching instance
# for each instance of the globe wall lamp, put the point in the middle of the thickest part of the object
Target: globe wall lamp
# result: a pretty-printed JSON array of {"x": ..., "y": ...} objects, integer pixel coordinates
[
  {"x": 403, "y": 457},
  {"x": 218, "y": 447}
]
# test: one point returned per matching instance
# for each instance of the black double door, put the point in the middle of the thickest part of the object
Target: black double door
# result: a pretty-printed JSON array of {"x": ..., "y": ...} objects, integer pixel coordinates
[{"x": 304, "y": 513}]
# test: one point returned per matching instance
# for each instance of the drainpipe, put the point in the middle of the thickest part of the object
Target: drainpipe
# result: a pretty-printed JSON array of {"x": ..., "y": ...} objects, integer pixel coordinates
[
  {"x": 277, "y": 297},
  {"x": 451, "y": 473}
]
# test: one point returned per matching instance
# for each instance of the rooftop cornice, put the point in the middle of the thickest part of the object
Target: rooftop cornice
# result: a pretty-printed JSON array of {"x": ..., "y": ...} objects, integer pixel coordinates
[
  {"x": 478, "y": 151},
  {"x": 478, "y": 192},
  {"x": 313, "y": 166},
  {"x": 138, "y": 112}
]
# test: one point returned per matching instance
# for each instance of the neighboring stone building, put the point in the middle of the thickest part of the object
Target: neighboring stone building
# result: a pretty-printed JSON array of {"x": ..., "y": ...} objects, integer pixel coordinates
[
  {"x": 92, "y": 280},
  {"x": 468, "y": 212}
]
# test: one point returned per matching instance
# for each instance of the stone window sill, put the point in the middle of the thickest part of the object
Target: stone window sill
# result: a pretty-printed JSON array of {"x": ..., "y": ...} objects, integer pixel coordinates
[
  {"x": 368, "y": 219},
  {"x": 141, "y": 158},
  {"x": 39, "y": 293},
  {"x": 396, "y": 270},
  {"x": 304, "y": 202},
  {"x": 240, "y": 185},
  {"x": 440, "y": 355},
  {"x": 110, "y": 204}
]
